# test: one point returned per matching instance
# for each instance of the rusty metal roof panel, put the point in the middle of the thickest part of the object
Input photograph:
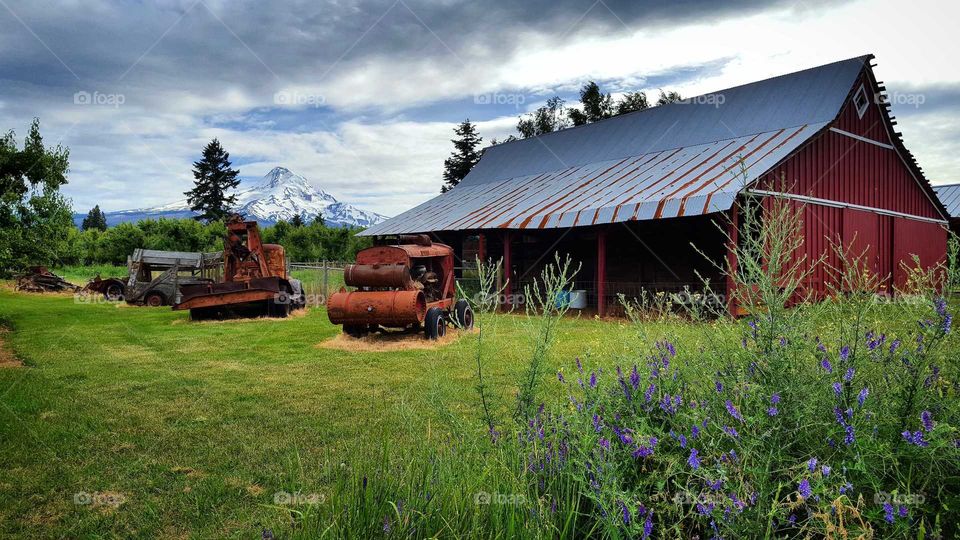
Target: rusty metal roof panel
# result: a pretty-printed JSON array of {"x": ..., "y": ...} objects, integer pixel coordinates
[
  {"x": 674, "y": 160},
  {"x": 950, "y": 197}
]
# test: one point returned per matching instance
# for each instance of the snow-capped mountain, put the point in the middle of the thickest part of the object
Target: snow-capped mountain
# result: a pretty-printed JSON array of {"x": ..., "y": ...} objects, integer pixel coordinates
[{"x": 280, "y": 195}]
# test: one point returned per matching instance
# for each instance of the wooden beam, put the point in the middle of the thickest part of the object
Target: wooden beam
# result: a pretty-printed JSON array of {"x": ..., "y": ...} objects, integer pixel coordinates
[
  {"x": 507, "y": 265},
  {"x": 732, "y": 232},
  {"x": 601, "y": 272}
]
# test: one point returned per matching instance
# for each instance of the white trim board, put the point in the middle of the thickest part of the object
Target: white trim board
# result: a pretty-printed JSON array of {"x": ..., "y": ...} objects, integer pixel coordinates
[{"x": 838, "y": 204}]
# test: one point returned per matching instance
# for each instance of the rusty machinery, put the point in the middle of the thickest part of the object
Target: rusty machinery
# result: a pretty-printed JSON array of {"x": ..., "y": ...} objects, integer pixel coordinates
[
  {"x": 409, "y": 285},
  {"x": 255, "y": 280}
]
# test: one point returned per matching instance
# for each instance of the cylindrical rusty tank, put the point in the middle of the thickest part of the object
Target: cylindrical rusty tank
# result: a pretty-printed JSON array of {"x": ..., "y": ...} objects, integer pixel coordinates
[
  {"x": 386, "y": 308},
  {"x": 378, "y": 276}
]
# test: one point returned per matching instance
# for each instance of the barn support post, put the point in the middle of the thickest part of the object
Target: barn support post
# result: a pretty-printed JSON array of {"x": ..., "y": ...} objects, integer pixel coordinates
[
  {"x": 602, "y": 273},
  {"x": 507, "y": 264},
  {"x": 481, "y": 248},
  {"x": 732, "y": 232}
]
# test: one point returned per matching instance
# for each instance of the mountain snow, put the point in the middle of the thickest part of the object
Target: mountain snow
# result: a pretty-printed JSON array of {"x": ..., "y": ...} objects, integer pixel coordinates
[{"x": 279, "y": 195}]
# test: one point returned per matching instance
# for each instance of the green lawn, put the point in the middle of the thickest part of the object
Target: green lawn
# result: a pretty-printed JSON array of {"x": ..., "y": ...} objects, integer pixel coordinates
[{"x": 197, "y": 425}]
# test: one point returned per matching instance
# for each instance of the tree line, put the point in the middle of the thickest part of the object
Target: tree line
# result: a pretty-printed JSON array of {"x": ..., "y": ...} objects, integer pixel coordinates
[{"x": 595, "y": 105}]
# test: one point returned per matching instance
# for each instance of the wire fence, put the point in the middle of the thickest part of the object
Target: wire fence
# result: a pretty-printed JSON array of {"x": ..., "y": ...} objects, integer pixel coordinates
[{"x": 320, "y": 279}]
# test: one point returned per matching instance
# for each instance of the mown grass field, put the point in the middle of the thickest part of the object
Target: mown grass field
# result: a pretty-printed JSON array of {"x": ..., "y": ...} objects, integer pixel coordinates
[{"x": 196, "y": 427}]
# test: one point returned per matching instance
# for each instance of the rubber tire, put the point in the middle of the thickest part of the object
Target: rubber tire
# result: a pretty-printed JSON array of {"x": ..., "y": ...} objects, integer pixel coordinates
[
  {"x": 463, "y": 315},
  {"x": 434, "y": 324},
  {"x": 114, "y": 292},
  {"x": 153, "y": 299},
  {"x": 354, "y": 331},
  {"x": 278, "y": 309}
]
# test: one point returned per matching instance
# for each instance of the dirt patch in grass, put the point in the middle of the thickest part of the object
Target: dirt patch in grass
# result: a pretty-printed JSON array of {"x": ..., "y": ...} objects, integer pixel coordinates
[
  {"x": 7, "y": 358},
  {"x": 387, "y": 342}
]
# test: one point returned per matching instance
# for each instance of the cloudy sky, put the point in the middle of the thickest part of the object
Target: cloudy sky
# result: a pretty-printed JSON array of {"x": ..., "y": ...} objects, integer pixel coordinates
[{"x": 361, "y": 97}]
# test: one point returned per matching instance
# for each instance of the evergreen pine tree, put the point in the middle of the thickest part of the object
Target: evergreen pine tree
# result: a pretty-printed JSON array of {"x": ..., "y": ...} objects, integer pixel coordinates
[
  {"x": 465, "y": 155},
  {"x": 95, "y": 220},
  {"x": 213, "y": 178},
  {"x": 297, "y": 220}
]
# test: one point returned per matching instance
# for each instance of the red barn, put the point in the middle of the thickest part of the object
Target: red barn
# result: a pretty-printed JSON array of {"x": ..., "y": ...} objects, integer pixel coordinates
[{"x": 631, "y": 195}]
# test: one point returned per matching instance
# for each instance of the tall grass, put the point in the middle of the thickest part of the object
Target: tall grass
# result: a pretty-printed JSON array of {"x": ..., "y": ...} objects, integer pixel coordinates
[{"x": 836, "y": 419}]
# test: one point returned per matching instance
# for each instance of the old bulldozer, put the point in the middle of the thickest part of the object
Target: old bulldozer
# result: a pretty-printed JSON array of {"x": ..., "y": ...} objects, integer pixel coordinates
[
  {"x": 255, "y": 280},
  {"x": 407, "y": 286}
]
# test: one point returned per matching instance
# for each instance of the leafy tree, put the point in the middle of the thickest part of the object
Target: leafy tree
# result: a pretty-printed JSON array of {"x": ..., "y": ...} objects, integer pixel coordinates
[
  {"x": 465, "y": 155},
  {"x": 213, "y": 178},
  {"x": 35, "y": 220},
  {"x": 546, "y": 119},
  {"x": 297, "y": 220},
  {"x": 95, "y": 220},
  {"x": 596, "y": 105},
  {"x": 668, "y": 97},
  {"x": 632, "y": 101}
]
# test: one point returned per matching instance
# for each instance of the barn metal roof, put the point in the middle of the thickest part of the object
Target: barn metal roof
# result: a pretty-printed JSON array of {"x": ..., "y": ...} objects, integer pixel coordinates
[
  {"x": 949, "y": 195},
  {"x": 681, "y": 159}
]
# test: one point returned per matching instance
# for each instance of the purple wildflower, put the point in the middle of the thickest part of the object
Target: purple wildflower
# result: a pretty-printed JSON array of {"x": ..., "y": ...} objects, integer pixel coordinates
[
  {"x": 837, "y": 388},
  {"x": 579, "y": 366},
  {"x": 604, "y": 443},
  {"x": 927, "y": 420},
  {"x": 731, "y": 432},
  {"x": 812, "y": 464},
  {"x": 648, "y": 525},
  {"x": 386, "y": 524},
  {"x": 862, "y": 397},
  {"x": 593, "y": 379},
  {"x": 733, "y": 411},
  {"x": 825, "y": 364},
  {"x": 693, "y": 460},
  {"x": 825, "y": 470},
  {"x": 635, "y": 377},
  {"x": 596, "y": 423},
  {"x": 716, "y": 486},
  {"x": 915, "y": 438},
  {"x": 844, "y": 353},
  {"x": 849, "y": 439},
  {"x": 560, "y": 376},
  {"x": 775, "y": 398},
  {"x": 772, "y": 411},
  {"x": 902, "y": 510},
  {"x": 694, "y": 432},
  {"x": 848, "y": 376},
  {"x": 648, "y": 395},
  {"x": 626, "y": 513},
  {"x": 718, "y": 385},
  {"x": 888, "y": 512},
  {"x": 804, "y": 488}
]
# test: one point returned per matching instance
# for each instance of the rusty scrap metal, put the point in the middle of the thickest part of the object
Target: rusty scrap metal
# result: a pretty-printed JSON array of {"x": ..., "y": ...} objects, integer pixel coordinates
[{"x": 40, "y": 279}]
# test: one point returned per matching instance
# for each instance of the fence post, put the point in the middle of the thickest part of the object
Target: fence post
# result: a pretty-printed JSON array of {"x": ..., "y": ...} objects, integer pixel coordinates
[{"x": 326, "y": 281}]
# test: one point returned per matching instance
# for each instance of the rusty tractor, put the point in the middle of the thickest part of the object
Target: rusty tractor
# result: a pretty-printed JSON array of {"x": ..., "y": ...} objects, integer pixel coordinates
[
  {"x": 407, "y": 286},
  {"x": 255, "y": 280}
]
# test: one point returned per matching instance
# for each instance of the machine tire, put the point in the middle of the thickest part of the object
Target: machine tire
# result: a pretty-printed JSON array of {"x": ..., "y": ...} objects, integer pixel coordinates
[
  {"x": 434, "y": 324},
  {"x": 113, "y": 292},
  {"x": 354, "y": 331},
  {"x": 463, "y": 315},
  {"x": 153, "y": 299},
  {"x": 278, "y": 308}
]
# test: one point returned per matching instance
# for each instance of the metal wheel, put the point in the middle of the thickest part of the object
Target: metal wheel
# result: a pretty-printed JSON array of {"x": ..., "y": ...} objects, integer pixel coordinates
[{"x": 153, "y": 299}]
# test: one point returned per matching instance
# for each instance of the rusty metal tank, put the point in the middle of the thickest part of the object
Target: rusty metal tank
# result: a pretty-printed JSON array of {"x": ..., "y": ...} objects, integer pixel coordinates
[{"x": 387, "y": 308}]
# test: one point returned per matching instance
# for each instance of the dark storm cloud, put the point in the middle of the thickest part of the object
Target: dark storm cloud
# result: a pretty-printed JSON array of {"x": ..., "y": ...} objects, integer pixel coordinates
[{"x": 262, "y": 44}]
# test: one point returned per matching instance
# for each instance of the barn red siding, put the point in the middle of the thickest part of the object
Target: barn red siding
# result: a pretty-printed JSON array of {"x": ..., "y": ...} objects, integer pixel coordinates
[{"x": 840, "y": 168}]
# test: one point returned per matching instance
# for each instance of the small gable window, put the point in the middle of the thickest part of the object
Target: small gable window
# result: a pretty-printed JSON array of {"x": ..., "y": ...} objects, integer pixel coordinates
[{"x": 860, "y": 101}]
